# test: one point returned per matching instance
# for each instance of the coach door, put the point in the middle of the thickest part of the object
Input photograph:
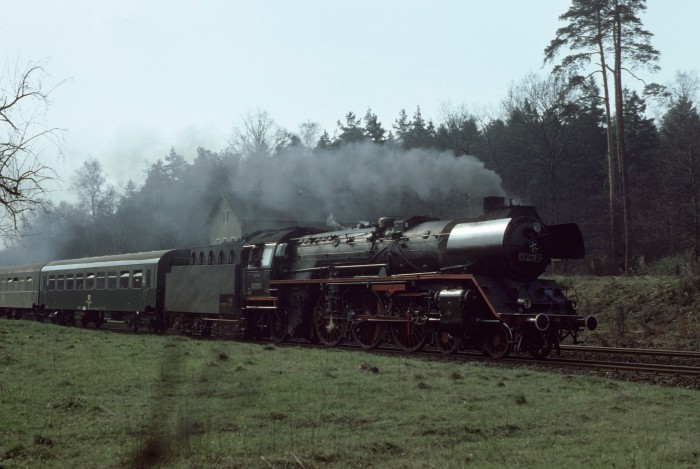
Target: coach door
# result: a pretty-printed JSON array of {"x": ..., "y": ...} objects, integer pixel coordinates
[{"x": 143, "y": 279}]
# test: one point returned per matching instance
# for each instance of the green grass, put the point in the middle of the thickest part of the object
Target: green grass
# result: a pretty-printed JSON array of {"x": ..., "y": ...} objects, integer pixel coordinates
[{"x": 82, "y": 398}]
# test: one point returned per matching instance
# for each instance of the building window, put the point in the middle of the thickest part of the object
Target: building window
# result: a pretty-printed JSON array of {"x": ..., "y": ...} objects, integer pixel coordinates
[{"x": 227, "y": 217}]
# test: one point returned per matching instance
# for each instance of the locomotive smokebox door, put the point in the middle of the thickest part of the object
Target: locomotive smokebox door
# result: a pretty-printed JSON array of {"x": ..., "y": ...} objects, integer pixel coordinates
[{"x": 451, "y": 304}]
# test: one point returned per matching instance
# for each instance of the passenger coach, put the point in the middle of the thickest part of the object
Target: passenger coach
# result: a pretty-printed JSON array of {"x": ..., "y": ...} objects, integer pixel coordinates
[
  {"x": 19, "y": 290},
  {"x": 128, "y": 288}
]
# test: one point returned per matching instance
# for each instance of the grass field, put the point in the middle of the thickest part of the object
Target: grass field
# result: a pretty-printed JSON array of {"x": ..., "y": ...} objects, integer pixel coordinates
[{"x": 72, "y": 397}]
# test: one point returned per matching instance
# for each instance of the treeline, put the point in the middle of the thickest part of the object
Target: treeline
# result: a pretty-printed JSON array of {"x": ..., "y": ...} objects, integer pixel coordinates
[{"x": 546, "y": 147}]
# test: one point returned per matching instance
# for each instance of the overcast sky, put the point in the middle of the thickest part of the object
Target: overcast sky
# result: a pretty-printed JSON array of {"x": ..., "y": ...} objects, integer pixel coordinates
[{"x": 147, "y": 75}]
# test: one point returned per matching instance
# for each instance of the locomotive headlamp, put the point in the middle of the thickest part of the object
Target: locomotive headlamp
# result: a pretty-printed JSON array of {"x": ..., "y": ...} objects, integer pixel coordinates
[
  {"x": 533, "y": 230},
  {"x": 525, "y": 303}
]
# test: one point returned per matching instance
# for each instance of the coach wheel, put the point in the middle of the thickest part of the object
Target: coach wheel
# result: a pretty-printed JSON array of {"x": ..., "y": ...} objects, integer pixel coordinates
[
  {"x": 84, "y": 321},
  {"x": 497, "y": 341},
  {"x": 407, "y": 334},
  {"x": 278, "y": 325},
  {"x": 330, "y": 327},
  {"x": 365, "y": 305},
  {"x": 447, "y": 342}
]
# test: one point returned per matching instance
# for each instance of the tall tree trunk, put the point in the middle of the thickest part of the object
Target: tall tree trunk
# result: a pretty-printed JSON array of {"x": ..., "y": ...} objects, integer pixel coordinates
[
  {"x": 620, "y": 130},
  {"x": 609, "y": 135}
]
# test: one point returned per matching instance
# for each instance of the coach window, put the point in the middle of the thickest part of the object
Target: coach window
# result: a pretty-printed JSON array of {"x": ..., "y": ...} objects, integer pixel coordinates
[
  {"x": 52, "y": 283},
  {"x": 70, "y": 282},
  {"x": 111, "y": 280},
  {"x": 89, "y": 281},
  {"x": 124, "y": 279},
  {"x": 60, "y": 281},
  {"x": 100, "y": 281},
  {"x": 79, "y": 281},
  {"x": 137, "y": 279}
]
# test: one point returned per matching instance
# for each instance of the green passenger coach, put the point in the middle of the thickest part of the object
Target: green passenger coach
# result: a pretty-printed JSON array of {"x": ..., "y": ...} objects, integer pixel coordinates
[
  {"x": 19, "y": 290},
  {"x": 129, "y": 288}
]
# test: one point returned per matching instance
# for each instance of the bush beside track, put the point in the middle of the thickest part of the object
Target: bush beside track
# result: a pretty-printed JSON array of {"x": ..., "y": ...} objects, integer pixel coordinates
[{"x": 661, "y": 312}]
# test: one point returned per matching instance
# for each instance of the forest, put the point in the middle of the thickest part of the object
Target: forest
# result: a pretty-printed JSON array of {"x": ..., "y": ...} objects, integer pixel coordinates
[{"x": 619, "y": 157}]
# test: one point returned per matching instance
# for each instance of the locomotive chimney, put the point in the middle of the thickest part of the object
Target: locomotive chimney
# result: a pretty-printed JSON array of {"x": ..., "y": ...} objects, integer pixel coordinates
[{"x": 493, "y": 203}]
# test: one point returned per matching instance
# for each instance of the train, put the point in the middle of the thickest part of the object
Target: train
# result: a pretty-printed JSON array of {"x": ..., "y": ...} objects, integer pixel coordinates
[{"x": 470, "y": 284}]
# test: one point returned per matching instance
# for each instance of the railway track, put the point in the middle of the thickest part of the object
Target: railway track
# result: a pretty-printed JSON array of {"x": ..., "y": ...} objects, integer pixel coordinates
[
  {"x": 689, "y": 370},
  {"x": 631, "y": 351}
]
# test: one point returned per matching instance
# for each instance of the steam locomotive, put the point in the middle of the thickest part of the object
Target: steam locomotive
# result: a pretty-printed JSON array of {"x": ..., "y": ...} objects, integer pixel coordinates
[{"x": 464, "y": 284}]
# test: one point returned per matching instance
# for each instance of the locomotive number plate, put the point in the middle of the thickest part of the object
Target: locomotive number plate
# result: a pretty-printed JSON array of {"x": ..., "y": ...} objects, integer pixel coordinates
[{"x": 529, "y": 257}]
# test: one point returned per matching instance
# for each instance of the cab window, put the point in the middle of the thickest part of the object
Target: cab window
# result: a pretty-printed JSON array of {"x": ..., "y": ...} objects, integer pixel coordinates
[{"x": 267, "y": 255}]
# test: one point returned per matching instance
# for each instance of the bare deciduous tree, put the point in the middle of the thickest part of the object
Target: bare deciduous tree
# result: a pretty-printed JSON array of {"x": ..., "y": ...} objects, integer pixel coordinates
[
  {"x": 23, "y": 176},
  {"x": 259, "y": 136}
]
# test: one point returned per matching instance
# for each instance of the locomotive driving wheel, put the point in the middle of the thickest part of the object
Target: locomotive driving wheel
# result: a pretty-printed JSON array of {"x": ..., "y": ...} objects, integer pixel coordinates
[
  {"x": 278, "y": 325},
  {"x": 497, "y": 341},
  {"x": 330, "y": 327},
  {"x": 447, "y": 342},
  {"x": 366, "y": 305},
  {"x": 408, "y": 334}
]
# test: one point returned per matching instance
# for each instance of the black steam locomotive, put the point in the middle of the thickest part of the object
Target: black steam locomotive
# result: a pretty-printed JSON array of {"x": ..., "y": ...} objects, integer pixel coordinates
[{"x": 456, "y": 284}]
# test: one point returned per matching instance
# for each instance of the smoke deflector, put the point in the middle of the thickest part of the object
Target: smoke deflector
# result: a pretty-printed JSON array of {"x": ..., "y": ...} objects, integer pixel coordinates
[{"x": 566, "y": 241}]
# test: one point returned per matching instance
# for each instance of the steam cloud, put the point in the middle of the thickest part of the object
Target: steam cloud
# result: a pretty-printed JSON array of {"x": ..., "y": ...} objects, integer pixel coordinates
[{"x": 364, "y": 181}]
